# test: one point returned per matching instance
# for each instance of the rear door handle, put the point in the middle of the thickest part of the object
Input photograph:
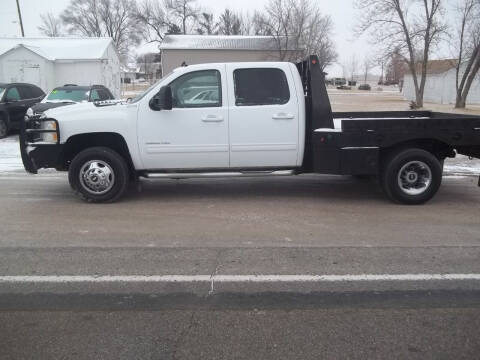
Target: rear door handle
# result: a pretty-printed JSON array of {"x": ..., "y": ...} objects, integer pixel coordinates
[
  {"x": 283, "y": 116},
  {"x": 212, "y": 118}
]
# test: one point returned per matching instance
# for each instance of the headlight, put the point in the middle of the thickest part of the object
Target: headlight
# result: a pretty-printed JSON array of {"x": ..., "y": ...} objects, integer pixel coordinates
[
  {"x": 50, "y": 136},
  {"x": 29, "y": 112}
]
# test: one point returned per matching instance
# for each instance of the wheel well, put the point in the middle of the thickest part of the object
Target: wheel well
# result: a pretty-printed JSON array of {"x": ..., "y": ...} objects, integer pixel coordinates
[
  {"x": 78, "y": 143},
  {"x": 438, "y": 148}
]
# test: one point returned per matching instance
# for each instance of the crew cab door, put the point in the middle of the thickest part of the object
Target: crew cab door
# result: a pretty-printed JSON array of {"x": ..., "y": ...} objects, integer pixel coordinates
[
  {"x": 16, "y": 107},
  {"x": 194, "y": 134},
  {"x": 263, "y": 116}
]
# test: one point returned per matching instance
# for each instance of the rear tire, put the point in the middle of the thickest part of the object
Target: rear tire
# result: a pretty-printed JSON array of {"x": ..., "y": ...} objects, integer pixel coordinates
[
  {"x": 411, "y": 176},
  {"x": 98, "y": 175},
  {"x": 3, "y": 128}
]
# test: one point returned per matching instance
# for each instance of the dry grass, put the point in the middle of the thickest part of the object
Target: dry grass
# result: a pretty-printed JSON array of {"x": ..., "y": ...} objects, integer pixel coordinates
[{"x": 388, "y": 99}]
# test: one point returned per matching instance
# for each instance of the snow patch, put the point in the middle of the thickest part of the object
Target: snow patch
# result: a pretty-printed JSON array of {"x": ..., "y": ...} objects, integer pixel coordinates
[{"x": 10, "y": 159}]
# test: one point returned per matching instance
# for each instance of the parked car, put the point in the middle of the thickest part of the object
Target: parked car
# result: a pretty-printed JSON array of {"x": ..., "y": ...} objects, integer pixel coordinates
[
  {"x": 365, "y": 87},
  {"x": 270, "y": 119},
  {"x": 15, "y": 99},
  {"x": 70, "y": 94}
]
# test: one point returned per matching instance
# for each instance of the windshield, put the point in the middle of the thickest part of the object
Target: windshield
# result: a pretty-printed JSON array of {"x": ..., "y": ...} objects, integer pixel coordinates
[
  {"x": 74, "y": 95},
  {"x": 2, "y": 90}
]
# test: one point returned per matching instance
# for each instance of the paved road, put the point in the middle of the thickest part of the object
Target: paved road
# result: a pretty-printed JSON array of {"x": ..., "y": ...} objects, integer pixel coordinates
[
  {"x": 294, "y": 212},
  {"x": 308, "y": 225}
]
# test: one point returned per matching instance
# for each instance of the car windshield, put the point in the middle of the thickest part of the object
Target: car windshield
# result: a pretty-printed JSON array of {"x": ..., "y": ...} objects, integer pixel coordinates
[
  {"x": 74, "y": 95},
  {"x": 2, "y": 90}
]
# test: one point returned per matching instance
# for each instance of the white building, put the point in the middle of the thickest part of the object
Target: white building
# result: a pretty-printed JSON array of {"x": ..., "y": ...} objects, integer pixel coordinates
[
  {"x": 52, "y": 62},
  {"x": 440, "y": 86},
  {"x": 201, "y": 49}
]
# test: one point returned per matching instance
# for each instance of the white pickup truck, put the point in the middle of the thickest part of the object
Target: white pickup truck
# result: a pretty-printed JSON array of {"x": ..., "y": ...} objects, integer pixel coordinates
[{"x": 243, "y": 119}]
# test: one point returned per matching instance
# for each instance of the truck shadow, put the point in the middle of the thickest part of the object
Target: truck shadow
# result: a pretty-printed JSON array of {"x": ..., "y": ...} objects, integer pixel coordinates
[
  {"x": 297, "y": 187},
  {"x": 304, "y": 187}
]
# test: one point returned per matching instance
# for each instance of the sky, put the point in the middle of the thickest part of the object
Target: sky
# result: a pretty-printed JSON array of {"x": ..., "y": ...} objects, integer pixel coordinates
[{"x": 342, "y": 12}]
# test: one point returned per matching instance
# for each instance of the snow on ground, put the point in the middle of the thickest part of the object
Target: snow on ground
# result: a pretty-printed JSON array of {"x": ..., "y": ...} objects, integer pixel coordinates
[{"x": 11, "y": 161}]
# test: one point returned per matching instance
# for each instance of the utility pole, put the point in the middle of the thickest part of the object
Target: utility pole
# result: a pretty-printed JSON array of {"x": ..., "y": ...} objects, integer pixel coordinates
[{"x": 20, "y": 18}]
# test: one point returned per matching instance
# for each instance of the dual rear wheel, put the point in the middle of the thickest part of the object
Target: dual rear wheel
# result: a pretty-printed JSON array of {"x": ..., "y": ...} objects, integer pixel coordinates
[{"x": 411, "y": 176}]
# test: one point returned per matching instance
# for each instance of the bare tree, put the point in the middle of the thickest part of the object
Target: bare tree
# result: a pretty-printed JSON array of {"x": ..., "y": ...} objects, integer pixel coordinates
[
  {"x": 468, "y": 64},
  {"x": 367, "y": 66},
  {"x": 410, "y": 27},
  {"x": 299, "y": 28},
  {"x": 259, "y": 24},
  {"x": 353, "y": 67},
  {"x": 152, "y": 17},
  {"x": 230, "y": 23},
  {"x": 207, "y": 24},
  {"x": 51, "y": 25},
  {"x": 184, "y": 12},
  {"x": 112, "y": 18}
]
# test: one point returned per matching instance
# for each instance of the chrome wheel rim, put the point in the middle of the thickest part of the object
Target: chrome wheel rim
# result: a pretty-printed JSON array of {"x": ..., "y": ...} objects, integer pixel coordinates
[
  {"x": 3, "y": 128},
  {"x": 414, "y": 178},
  {"x": 97, "y": 177}
]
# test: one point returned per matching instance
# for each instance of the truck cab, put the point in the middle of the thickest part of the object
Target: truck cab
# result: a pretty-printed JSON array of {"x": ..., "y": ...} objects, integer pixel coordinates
[
  {"x": 223, "y": 116},
  {"x": 243, "y": 119}
]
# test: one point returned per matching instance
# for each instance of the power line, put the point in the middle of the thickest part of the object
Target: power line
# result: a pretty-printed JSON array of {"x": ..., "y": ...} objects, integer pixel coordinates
[{"x": 20, "y": 18}]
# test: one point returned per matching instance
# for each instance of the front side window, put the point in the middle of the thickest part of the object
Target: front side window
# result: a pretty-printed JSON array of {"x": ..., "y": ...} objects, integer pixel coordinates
[
  {"x": 104, "y": 95},
  {"x": 197, "y": 89},
  {"x": 13, "y": 94},
  {"x": 260, "y": 87},
  {"x": 94, "y": 95},
  {"x": 74, "y": 95}
]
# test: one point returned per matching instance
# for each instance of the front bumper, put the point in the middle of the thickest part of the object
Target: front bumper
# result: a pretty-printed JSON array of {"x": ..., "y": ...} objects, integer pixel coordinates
[{"x": 35, "y": 153}]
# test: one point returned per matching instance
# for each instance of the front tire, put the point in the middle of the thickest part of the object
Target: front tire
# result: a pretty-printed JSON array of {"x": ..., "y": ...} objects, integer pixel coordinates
[
  {"x": 411, "y": 176},
  {"x": 98, "y": 175}
]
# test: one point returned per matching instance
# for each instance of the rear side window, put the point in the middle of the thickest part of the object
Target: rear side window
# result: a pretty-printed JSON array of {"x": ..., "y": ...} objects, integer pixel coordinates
[
  {"x": 260, "y": 87},
  {"x": 26, "y": 92},
  {"x": 37, "y": 92}
]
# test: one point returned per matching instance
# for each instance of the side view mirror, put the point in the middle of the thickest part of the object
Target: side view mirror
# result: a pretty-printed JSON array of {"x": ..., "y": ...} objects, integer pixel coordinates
[{"x": 163, "y": 100}]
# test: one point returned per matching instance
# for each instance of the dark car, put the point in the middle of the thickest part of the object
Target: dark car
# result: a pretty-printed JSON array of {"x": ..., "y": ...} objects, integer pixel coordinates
[
  {"x": 15, "y": 99},
  {"x": 366, "y": 87},
  {"x": 71, "y": 94}
]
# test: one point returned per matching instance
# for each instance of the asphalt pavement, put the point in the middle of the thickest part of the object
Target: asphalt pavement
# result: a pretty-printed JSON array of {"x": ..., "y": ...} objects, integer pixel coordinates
[{"x": 305, "y": 267}]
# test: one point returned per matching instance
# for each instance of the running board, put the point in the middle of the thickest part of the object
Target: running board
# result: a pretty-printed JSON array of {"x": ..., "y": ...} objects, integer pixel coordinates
[{"x": 216, "y": 174}]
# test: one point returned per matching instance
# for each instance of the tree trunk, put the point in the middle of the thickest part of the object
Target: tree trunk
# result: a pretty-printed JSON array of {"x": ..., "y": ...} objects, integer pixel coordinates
[
  {"x": 469, "y": 82},
  {"x": 470, "y": 73}
]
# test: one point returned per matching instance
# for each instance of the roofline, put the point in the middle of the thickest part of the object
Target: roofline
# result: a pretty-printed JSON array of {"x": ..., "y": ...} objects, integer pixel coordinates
[
  {"x": 54, "y": 38},
  {"x": 220, "y": 49},
  {"x": 28, "y": 47}
]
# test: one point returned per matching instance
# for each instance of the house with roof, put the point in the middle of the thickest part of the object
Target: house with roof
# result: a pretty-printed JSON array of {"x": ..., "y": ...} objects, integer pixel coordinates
[
  {"x": 440, "y": 86},
  {"x": 199, "y": 49},
  {"x": 51, "y": 62}
]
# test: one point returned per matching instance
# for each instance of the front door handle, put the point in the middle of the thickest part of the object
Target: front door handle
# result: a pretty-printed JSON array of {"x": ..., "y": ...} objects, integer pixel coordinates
[
  {"x": 212, "y": 118},
  {"x": 283, "y": 116}
]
